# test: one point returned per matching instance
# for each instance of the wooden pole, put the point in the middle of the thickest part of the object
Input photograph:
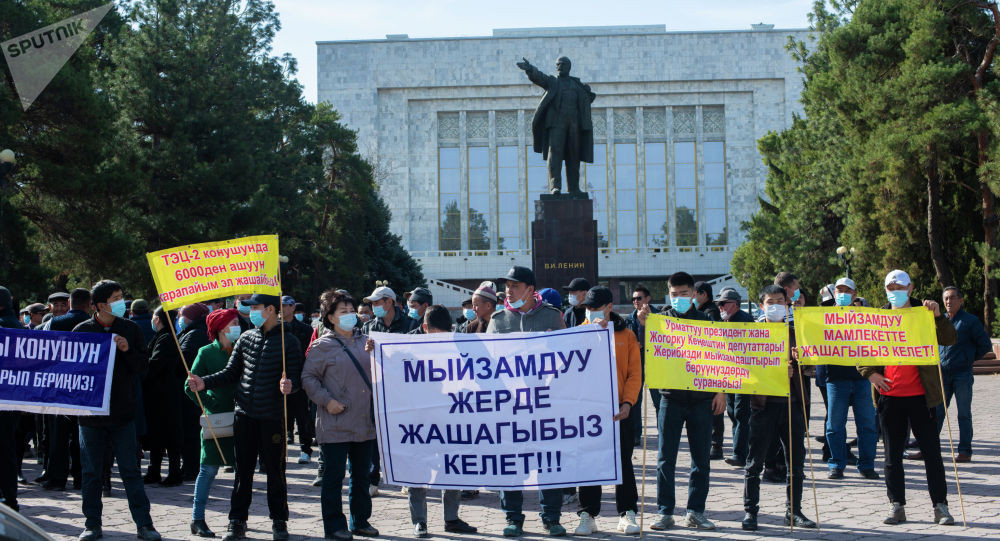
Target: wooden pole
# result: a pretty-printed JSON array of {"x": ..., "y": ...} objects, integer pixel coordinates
[
  {"x": 284, "y": 375},
  {"x": 951, "y": 444},
  {"x": 788, "y": 457},
  {"x": 642, "y": 506},
  {"x": 812, "y": 474},
  {"x": 211, "y": 431}
]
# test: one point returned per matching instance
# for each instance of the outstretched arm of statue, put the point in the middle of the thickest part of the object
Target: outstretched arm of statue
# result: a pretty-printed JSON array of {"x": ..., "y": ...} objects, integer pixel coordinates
[{"x": 534, "y": 75}]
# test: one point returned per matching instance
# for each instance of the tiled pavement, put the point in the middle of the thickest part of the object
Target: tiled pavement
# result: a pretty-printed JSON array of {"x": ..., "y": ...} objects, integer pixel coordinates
[{"x": 851, "y": 508}]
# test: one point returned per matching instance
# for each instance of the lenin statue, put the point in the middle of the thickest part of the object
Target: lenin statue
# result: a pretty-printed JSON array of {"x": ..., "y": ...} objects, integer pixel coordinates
[{"x": 561, "y": 129}]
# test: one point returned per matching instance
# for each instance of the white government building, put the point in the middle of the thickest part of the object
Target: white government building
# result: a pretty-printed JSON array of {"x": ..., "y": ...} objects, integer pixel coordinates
[{"x": 676, "y": 123}]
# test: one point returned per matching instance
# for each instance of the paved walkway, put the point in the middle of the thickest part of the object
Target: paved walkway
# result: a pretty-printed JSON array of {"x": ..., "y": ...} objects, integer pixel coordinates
[{"x": 851, "y": 508}]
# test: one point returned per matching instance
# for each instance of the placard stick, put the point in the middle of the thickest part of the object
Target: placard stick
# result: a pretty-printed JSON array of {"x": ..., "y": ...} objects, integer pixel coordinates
[
  {"x": 642, "y": 506},
  {"x": 951, "y": 444},
  {"x": 211, "y": 431},
  {"x": 789, "y": 457},
  {"x": 812, "y": 474}
]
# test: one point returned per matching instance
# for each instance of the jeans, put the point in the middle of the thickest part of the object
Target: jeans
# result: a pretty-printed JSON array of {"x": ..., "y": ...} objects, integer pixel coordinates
[
  {"x": 671, "y": 418},
  {"x": 626, "y": 495},
  {"x": 766, "y": 425},
  {"x": 959, "y": 385},
  {"x": 855, "y": 393},
  {"x": 375, "y": 470},
  {"x": 336, "y": 455},
  {"x": 738, "y": 408},
  {"x": 894, "y": 413},
  {"x": 511, "y": 502},
  {"x": 266, "y": 439},
  {"x": 94, "y": 443},
  {"x": 202, "y": 486},
  {"x": 450, "y": 500},
  {"x": 718, "y": 429}
]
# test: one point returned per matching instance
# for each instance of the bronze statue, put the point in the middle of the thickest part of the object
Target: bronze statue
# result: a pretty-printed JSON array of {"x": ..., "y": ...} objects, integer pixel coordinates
[{"x": 561, "y": 128}]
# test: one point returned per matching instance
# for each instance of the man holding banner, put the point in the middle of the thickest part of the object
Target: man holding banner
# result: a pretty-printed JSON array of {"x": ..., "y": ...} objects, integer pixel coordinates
[
  {"x": 909, "y": 395},
  {"x": 8, "y": 419},
  {"x": 117, "y": 429}
]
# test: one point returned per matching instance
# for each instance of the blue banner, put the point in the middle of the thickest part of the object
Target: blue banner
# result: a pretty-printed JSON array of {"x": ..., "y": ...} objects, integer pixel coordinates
[{"x": 56, "y": 372}]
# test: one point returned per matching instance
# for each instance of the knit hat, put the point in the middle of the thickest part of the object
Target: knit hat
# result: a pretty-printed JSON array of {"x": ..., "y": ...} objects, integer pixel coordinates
[
  {"x": 194, "y": 312},
  {"x": 218, "y": 319},
  {"x": 487, "y": 290}
]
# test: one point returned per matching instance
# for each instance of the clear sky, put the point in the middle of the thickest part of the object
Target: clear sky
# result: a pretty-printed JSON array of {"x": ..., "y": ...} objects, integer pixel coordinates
[{"x": 304, "y": 22}]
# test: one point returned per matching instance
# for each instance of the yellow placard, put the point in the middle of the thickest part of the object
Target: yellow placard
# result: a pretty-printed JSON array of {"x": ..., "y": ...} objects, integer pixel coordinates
[
  {"x": 740, "y": 358},
  {"x": 210, "y": 270},
  {"x": 859, "y": 336}
]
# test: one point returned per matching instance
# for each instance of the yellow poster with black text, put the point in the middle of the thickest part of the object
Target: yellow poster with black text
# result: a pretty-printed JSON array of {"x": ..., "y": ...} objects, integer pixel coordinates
[
  {"x": 855, "y": 335},
  {"x": 739, "y": 358},
  {"x": 212, "y": 270}
]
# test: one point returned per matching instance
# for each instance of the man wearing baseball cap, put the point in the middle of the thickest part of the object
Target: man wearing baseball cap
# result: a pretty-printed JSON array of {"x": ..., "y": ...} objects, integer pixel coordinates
[
  {"x": 846, "y": 387},
  {"x": 737, "y": 405},
  {"x": 909, "y": 395},
  {"x": 525, "y": 311},
  {"x": 417, "y": 302},
  {"x": 575, "y": 293}
]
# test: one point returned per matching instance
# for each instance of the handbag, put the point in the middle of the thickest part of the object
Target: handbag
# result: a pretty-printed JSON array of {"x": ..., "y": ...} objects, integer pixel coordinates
[{"x": 222, "y": 425}]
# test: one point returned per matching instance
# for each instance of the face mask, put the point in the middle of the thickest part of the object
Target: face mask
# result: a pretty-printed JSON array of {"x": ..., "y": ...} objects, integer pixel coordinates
[
  {"x": 299, "y": 316},
  {"x": 897, "y": 298},
  {"x": 118, "y": 308},
  {"x": 379, "y": 311},
  {"x": 573, "y": 301},
  {"x": 181, "y": 324},
  {"x": 365, "y": 317},
  {"x": 796, "y": 295},
  {"x": 469, "y": 314},
  {"x": 725, "y": 316},
  {"x": 843, "y": 299},
  {"x": 257, "y": 317},
  {"x": 414, "y": 313},
  {"x": 594, "y": 314},
  {"x": 517, "y": 304},
  {"x": 210, "y": 308},
  {"x": 233, "y": 333},
  {"x": 242, "y": 308},
  {"x": 347, "y": 321},
  {"x": 681, "y": 304},
  {"x": 775, "y": 312},
  {"x": 27, "y": 319}
]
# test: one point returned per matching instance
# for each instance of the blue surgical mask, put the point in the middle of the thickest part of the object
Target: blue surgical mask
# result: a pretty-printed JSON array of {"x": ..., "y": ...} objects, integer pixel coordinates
[
  {"x": 844, "y": 299},
  {"x": 347, "y": 321},
  {"x": 299, "y": 317},
  {"x": 210, "y": 308},
  {"x": 233, "y": 333},
  {"x": 181, "y": 324},
  {"x": 796, "y": 295},
  {"x": 26, "y": 319},
  {"x": 414, "y": 313},
  {"x": 594, "y": 314},
  {"x": 244, "y": 309},
  {"x": 681, "y": 304},
  {"x": 469, "y": 314},
  {"x": 379, "y": 311},
  {"x": 118, "y": 308},
  {"x": 775, "y": 312},
  {"x": 573, "y": 301},
  {"x": 516, "y": 304},
  {"x": 257, "y": 317},
  {"x": 897, "y": 298}
]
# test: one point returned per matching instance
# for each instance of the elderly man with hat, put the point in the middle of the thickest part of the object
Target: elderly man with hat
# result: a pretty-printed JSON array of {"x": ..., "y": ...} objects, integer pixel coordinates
[
  {"x": 909, "y": 395},
  {"x": 846, "y": 388},
  {"x": 417, "y": 302},
  {"x": 576, "y": 291},
  {"x": 525, "y": 311},
  {"x": 298, "y": 402},
  {"x": 36, "y": 312},
  {"x": 258, "y": 429}
]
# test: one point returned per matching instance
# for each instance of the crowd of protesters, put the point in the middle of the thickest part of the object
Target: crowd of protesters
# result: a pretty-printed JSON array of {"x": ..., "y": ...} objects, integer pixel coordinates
[{"x": 223, "y": 384}]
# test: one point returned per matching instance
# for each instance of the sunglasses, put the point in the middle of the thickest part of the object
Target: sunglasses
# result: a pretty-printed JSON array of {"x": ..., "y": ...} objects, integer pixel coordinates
[{"x": 636, "y": 299}]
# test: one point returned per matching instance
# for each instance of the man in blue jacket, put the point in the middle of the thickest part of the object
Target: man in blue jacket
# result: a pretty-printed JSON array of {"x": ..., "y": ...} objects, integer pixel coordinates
[{"x": 956, "y": 366}]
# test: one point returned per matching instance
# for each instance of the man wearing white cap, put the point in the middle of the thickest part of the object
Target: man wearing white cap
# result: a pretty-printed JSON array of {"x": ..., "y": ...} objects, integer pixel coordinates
[
  {"x": 910, "y": 395},
  {"x": 845, "y": 388}
]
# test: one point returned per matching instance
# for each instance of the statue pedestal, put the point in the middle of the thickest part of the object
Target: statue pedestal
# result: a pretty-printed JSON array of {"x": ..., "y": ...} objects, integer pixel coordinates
[{"x": 564, "y": 240}]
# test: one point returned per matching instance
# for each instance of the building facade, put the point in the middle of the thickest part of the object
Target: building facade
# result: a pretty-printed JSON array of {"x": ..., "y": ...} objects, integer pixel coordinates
[{"x": 676, "y": 122}]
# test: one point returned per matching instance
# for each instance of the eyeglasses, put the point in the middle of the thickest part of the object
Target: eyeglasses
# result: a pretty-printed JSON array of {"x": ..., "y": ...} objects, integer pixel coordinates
[{"x": 636, "y": 299}]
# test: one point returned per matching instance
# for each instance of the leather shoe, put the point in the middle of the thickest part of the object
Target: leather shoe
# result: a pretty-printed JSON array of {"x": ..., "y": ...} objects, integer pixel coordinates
[
  {"x": 41, "y": 478},
  {"x": 50, "y": 485},
  {"x": 963, "y": 458},
  {"x": 772, "y": 476},
  {"x": 736, "y": 461},
  {"x": 916, "y": 455},
  {"x": 279, "y": 530},
  {"x": 200, "y": 528},
  {"x": 22, "y": 480},
  {"x": 365, "y": 531},
  {"x": 459, "y": 526},
  {"x": 342, "y": 535},
  {"x": 869, "y": 474},
  {"x": 147, "y": 533},
  {"x": 716, "y": 453},
  {"x": 91, "y": 534},
  {"x": 151, "y": 479},
  {"x": 237, "y": 529},
  {"x": 836, "y": 473},
  {"x": 800, "y": 520},
  {"x": 750, "y": 522}
]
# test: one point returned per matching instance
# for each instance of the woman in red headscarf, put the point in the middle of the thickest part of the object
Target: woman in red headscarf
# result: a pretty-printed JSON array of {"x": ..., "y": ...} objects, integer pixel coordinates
[{"x": 224, "y": 330}]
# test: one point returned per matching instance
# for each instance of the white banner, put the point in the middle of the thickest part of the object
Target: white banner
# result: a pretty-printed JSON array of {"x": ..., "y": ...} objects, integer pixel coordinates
[{"x": 498, "y": 411}]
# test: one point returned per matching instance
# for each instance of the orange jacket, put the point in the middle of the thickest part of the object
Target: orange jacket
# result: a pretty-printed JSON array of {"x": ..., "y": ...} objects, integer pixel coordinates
[{"x": 627, "y": 360}]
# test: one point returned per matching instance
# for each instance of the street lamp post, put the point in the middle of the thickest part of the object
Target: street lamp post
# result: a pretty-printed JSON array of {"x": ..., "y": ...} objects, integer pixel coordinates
[{"x": 845, "y": 255}]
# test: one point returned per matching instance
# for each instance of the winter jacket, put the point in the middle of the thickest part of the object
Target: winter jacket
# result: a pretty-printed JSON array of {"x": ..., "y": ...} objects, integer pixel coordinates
[
  {"x": 329, "y": 374},
  {"x": 475, "y": 326},
  {"x": 145, "y": 323},
  {"x": 128, "y": 365},
  {"x": 929, "y": 376},
  {"x": 627, "y": 363},
  {"x": 301, "y": 331},
  {"x": 542, "y": 317},
  {"x": 711, "y": 310},
  {"x": 256, "y": 365},
  {"x": 574, "y": 315},
  {"x": 194, "y": 337},
  {"x": 683, "y": 395},
  {"x": 68, "y": 321},
  {"x": 211, "y": 359}
]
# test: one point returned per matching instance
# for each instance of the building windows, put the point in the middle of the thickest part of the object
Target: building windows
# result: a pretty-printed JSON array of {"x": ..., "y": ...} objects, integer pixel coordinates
[
  {"x": 595, "y": 177},
  {"x": 714, "y": 156},
  {"x": 450, "y": 228},
  {"x": 508, "y": 195},
  {"x": 626, "y": 195},
  {"x": 657, "y": 228},
  {"x": 685, "y": 194},
  {"x": 479, "y": 198}
]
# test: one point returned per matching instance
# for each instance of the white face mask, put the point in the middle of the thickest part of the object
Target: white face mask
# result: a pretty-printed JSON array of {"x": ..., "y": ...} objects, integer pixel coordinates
[
  {"x": 775, "y": 312},
  {"x": 573, "y": 301}
]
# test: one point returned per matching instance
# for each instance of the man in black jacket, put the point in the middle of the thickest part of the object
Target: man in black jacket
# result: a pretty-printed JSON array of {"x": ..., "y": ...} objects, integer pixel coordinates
[
  {"x": 298, "y": 402},
  {"x": 737, "y": 405},
  {"x": 576, "y": 291},
  {"x": 117, "y": 429},
  {"x": 256, "y": 365}
]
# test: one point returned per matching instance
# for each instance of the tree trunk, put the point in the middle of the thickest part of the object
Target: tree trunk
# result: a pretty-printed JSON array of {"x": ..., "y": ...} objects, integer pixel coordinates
[
  {"x": 989, "y": 237},
  {"x": 934, "y": 232}
]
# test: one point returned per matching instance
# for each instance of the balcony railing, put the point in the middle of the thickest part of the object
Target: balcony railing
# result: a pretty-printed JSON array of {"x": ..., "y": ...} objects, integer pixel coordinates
[{"x": 607, "y": 251}]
